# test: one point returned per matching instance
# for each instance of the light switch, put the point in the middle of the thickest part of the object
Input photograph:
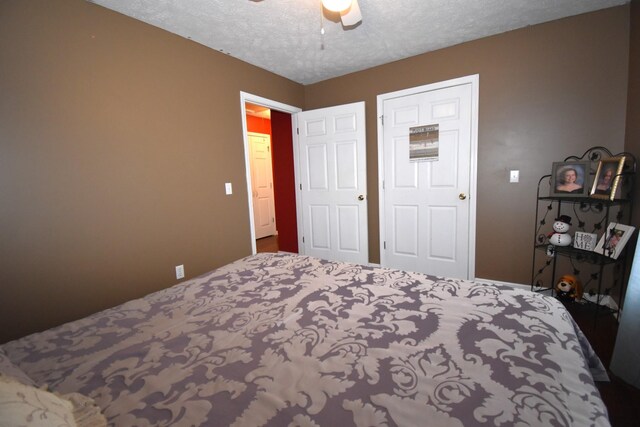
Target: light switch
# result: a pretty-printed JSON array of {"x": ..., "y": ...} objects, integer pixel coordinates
[
  {"x": 227, "y": 188},
  {"x": 514, "y": 176}
]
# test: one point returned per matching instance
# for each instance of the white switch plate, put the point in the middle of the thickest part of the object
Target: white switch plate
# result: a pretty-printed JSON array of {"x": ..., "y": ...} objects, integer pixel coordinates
[
  {"x": 227, "y": 188},
  {"x": 514, "y": 176},
  {"x": 180, "y": 271}
]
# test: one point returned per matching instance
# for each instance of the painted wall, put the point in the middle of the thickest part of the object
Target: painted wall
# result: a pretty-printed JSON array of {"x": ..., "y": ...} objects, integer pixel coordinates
[
  {"x": 258, "y": 124},
  {"x": 632, "y": 137},
  {"x": 284, "y": 182},
  {"x": 546, "y": 92},
  {"x": 625, "y": 361},
  {"x": 116, "y": 141}
]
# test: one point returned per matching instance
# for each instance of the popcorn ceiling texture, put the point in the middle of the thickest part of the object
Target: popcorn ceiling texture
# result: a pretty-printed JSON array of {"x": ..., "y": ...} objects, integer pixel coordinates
[{"x": 283, "y": 36}]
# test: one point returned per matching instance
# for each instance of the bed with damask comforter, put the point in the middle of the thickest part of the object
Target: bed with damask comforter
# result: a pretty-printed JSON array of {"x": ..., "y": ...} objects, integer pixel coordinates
[{"x": 289, "y": 340}]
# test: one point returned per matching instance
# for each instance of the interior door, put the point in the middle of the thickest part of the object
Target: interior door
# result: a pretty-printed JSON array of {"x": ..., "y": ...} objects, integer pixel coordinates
[
  {"x": 332, "y": 158},
  {"x": 427, "y": 200},
  {"x": 262, "y": 185}
]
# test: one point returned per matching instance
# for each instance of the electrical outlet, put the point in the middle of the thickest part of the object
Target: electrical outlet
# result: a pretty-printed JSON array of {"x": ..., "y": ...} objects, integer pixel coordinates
[
  {"x": 180, "y": 271},
  {"x": 227, "y": 188},
  {"x": 514, "y": 176}
]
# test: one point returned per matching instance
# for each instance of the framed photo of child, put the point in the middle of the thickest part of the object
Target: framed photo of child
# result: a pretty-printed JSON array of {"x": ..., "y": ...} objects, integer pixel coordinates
[
  {"x": 614, "y": 239},
  {"x": 570, "y": 179}
]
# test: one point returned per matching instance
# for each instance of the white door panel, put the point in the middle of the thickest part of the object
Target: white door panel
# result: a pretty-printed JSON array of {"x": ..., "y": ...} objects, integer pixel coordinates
[
  {"x": 319, "y": 227},
  {"x": 333, "y": 179},
  {"x": 425, "y": 209},
  {"x": 262, "y": 185}
]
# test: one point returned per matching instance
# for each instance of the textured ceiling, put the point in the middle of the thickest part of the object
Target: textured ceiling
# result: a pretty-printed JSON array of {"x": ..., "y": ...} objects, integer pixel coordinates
[{"x": 283, "y": 36}]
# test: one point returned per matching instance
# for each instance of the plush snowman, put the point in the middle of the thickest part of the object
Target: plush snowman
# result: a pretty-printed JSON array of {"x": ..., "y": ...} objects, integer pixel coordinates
[{"x": 560, "y": 227}]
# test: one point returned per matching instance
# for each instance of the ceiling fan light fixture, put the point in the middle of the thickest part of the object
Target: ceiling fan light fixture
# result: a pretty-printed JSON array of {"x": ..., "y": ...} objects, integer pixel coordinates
[{"x": 336, "y": 5}]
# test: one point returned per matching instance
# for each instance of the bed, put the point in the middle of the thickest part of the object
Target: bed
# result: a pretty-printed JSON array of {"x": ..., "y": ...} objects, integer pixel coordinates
[{"x": 290, "y": 340}]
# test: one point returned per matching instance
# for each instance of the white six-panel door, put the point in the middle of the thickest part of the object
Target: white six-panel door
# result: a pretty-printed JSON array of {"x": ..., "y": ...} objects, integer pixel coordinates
[
  {"x": 262, "y": 185},
  {"x": 426, "y": 204},
  {"x": 332, "y": 158}
]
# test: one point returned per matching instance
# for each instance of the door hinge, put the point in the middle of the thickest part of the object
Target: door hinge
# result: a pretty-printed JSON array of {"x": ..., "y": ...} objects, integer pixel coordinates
[
  {"x": 302, "y": 239},
  {"x": 382, "y": 119},
  {"x": 300, "y": 186},
  {"x": 268, "y": 149},
  {"x": 384, "y": 245},
  {"x": 383, "y": 184},
  {"x": 297, "y": 131},
  {"x": 273, "y": 220}
]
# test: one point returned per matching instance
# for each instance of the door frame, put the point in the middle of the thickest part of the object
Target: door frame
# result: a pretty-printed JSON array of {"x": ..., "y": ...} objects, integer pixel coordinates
[
  {"x": 473, "y": 178},
  {"x": 272, "y": 105}
]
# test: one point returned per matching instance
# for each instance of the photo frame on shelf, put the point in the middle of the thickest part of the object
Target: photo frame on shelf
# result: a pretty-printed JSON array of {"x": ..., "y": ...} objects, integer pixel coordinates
[
  {"x": 570, "y": 179},
  {"x": 607, "y": 178},
  {"x": 614, "y": 239}
]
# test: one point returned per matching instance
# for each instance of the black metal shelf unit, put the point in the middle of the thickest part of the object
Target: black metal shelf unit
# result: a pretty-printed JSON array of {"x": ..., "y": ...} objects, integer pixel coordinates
[{"x": 602, "y": 276}]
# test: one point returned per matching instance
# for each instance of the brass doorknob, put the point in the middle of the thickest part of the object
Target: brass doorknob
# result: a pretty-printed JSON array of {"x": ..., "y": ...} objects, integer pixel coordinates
[
  {"x": 361, "y": 197},
  {"x": 462, "y": 196}
]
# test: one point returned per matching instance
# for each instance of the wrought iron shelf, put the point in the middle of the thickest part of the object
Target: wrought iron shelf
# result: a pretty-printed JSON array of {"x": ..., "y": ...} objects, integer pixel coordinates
[
  {"x": 579, "y": 254},
  {"x": 586, "y": 200},
  {"x": 598, "y": 272}
]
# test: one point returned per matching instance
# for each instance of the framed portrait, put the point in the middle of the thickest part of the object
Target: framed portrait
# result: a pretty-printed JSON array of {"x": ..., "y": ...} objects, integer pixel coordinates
[
  {"x": 570, "y": 179},
  {"x": 607, "y": 178},
  {"x": 614, "y": 239}
]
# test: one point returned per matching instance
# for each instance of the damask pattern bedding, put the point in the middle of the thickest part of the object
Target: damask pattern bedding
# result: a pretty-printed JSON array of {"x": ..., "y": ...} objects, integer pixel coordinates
[{"x": 289, "y": 340}]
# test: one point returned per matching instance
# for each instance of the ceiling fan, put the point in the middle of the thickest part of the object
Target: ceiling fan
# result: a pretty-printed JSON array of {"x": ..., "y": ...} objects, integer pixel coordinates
[{"x": 349, "y": 10}]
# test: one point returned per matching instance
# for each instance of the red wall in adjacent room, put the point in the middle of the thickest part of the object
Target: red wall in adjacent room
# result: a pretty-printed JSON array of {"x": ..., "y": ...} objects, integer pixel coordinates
[
  {"x": 258, "y": 125},
  {"x": 284, "y": 181}
]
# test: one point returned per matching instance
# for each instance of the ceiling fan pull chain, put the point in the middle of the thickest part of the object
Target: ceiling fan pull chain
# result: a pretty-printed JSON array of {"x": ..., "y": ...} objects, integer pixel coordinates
[{"x": 321, "y": 28}]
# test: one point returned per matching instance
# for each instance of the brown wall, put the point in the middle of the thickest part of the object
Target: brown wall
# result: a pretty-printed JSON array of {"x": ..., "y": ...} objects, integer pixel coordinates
[
  {"x": 116, "y": 139},
  {"x": 632, "y": 137},
  {"x": 546, "y": 92}
]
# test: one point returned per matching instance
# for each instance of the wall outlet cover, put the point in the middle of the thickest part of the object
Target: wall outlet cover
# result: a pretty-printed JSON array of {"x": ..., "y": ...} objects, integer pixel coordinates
[{"x": 180, "y": 271}]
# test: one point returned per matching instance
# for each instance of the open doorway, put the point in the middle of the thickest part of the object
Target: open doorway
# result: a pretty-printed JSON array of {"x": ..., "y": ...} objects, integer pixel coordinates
[{"x": 268, "y": 137}]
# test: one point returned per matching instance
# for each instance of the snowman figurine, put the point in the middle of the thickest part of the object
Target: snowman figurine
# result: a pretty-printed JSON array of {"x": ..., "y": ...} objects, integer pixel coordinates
[{"x": 560, "y": 237}]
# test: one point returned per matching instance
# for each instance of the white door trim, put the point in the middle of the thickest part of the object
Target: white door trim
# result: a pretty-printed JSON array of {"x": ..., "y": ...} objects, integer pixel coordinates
[
  {"x": 474, "y": 81},
  {"x": 273, "y": 105}
]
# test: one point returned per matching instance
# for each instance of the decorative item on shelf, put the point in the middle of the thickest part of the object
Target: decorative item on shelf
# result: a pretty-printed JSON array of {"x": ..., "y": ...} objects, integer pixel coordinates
[
  {"x": 559, "y": 236},
  {"x": 614, "y": 239},
  {"x": 561, "y": 226},
  {"x": 607, "y": 178},
  {"x": 569, "y": 288},
  {"x": 570, "y": 179},
  {"x": 584, "y": 241}
]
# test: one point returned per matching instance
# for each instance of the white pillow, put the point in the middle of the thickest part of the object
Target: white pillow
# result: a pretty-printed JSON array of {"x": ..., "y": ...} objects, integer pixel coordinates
[{"x": 21, "y": 405}]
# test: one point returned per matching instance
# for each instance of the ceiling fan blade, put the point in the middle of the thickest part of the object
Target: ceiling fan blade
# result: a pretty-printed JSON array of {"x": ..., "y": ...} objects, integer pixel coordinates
[{"x": 351, "y": 16}]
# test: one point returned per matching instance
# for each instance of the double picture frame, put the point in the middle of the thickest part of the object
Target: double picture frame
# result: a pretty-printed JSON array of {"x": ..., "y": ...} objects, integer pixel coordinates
[{"x": 571, "y": 178}]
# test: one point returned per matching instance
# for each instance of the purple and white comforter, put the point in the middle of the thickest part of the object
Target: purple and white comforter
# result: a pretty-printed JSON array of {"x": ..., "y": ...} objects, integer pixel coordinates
[{"x": 288, "y": 340}]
